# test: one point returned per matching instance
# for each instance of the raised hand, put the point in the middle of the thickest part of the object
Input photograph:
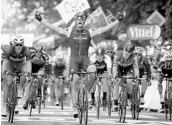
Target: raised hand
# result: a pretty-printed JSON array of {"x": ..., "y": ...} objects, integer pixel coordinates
[
  {"x": 121, "y": 15},
  {"x": 38, "y": 16}
]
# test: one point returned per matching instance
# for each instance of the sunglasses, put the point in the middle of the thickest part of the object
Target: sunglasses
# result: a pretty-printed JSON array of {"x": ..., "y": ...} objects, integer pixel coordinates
[
  {"x": 138, "y": 54},
  {"x": 18, "y": 45},
  {"x": 109, "y": 51}
]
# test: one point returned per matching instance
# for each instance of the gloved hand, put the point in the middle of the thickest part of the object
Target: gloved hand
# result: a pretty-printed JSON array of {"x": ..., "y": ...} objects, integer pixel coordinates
[
  {"x": 121, "y": 16},
  {"x": 38, "y": 16}
]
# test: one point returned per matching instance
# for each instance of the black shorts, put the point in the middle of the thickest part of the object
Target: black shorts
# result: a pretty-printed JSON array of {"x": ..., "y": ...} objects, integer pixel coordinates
[
  {"x": 79, "y": 62},
  {"x": 36, "y": 67}
]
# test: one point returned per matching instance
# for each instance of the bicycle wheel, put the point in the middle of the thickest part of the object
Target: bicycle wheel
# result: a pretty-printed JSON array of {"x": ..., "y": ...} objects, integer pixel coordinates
[
  {"x": 124, "y": 104},
  {"x": 80, "y": 107},
  {"x": 109, "y": 102},
  {"x": 165, "y": 105},
  {"x": 61, "y": 103},
  {"x": 98, "y": 101},
  {"x": 12, "y": 112},
  {"x": 170, "y": 102},
  {"x": 39, "y": 104},
  {"x": 137, "y": 110},
  {"x": 30, "y": 105},
  {"x": 9, "y": 115},
  {"x": 133, "y": 103},
  {"x": 120, "y": 106},
  {"x": 85, "y": 106}
]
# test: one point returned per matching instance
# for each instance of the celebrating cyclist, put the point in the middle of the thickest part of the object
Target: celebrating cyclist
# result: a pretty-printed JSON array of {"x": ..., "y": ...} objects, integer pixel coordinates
[
  {"x": 17, "y": 58},
  {"x": 38, "y": 58},
  {"x": 144, "y": 70},
  {"x": 125, "y": 64},
  {"x": 79, "y": 41},
  {"x": 103, "y": 65},
  {"x": 165, "y": 67}
]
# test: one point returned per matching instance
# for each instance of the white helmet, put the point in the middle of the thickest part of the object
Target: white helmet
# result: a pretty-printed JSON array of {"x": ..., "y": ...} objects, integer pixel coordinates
[
  {"x": 168, "y": 56},
  {"x": 138, "y": 49},
  {"x": 17, "y": 39}
]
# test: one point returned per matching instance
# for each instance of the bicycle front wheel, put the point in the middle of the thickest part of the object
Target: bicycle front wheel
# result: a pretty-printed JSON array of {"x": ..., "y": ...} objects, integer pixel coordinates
[
  {"x": 98, "y": 102},
  {"x": 85, "y": 107},
  {"x": 39, "y": 104},
  {"x": 109, "y": 102}
]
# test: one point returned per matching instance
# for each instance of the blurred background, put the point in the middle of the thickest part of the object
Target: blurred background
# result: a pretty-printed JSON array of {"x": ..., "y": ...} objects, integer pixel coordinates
[{"x": 17, "y": 16}]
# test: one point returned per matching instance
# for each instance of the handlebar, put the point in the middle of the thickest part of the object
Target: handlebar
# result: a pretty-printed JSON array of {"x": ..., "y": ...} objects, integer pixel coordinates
[{"x": 16, "y": 74}]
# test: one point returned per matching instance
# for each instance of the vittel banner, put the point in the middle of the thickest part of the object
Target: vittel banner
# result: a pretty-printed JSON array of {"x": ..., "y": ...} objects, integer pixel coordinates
[{"x": 143, "y": 32}]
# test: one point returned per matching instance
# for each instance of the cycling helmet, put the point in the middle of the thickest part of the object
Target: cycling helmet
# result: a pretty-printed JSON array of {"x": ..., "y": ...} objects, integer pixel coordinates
[
  {"x": 38, "y": 47},
  {"x": 168, "y": 56},
  {"x": 138, "y": 50},
  {"x": 129, "y": 47},
  {"x": 100, "y": 51},
  {"x": 17, "y": 40},
  {"x": 109, "y": 46},
  {"x": 80, "y": 14},
  {"x": 60, "y": 54}
]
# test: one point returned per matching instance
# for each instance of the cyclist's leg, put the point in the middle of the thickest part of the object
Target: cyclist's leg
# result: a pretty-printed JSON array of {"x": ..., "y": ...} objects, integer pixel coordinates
[
  {"x": 116, "y": 94},
  {"x": 25, "y": 68},
  {"x": 75, "y": 66},
  {"x": 143, "y": 88},
  {"x": 40, "y": 76},
  {"x": 129, "y": 89},
  {"x": 57, "y": 90},
  {"x": 6, "y": 66},
  {"x": 105, "y": 84}
]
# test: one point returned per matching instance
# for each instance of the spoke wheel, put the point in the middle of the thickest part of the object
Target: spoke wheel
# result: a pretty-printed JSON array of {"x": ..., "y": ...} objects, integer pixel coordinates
[
  {"x": 85, "y": 107},
  {"x": 39, "y": 104},
  {"x": 109, "y": 102},
  {"x": 98, "y": 102}
]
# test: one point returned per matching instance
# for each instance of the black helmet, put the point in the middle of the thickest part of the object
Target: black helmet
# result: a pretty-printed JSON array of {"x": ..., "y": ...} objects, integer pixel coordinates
[
  {"x": 100, "y": 51},
  {"x": 129, "y": 47}
]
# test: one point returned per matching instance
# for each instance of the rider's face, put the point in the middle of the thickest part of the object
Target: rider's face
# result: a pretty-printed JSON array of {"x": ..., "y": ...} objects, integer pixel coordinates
[
  {"x": 109, "y": 53},
  {"x": 126, "y": 54},
  {"x": 80, "y": 22},
  {"x": 18, "y": 48},
  {"x": 99, "y": 58}
]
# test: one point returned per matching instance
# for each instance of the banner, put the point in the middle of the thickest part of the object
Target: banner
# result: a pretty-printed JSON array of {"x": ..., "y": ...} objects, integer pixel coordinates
[
  {"x": 156, "y": 18},
  {"x": 68, "y": 8},
  {"x": 96, "y": 19}
]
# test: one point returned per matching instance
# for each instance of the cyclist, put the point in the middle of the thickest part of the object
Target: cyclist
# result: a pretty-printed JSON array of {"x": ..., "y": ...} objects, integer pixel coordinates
[
  {"x": 103, "y": 65},
  {"x": 165, "y": 67},
  {"x": 79, "y": 41},
  {"x": 17, "y": 58},
  {"x": 39, "y": 59},
  {"x": 144, "y": 70},
  {"x": 58, "y": 70},
  {"x": 125, "y": 64}
]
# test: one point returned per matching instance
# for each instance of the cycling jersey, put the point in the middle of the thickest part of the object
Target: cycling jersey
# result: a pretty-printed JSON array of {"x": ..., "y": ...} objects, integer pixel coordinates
[
  {"x": 101, "y": 67},
  {"x": 79, "y": 42},
  {"x": 124, "y": 65},
  {"x": 59, "y": 69},
  {"x": 39, "y": 59},
  {"x": 10, "y": 53}
]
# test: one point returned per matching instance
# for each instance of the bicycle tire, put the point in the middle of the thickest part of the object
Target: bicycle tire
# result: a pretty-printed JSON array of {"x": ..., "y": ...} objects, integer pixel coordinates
[
  {"x": 124, "y": 103},
  {"x": 120, "y": 106},
  {"x": 9, "y": 115},
  {"x": 30, "y": 110},
  {"x": 85, "y": 106},
  {"x": 138, "y": 103},
  {"x": 165, "y": 105},
  {"x": 98, "y": 102},
  {"x": 133, "y": 111},
  {"x": 12, "y": 113},
  {"x": 109, "y": 102},
  {"x": 61, "y": 103},
  {"x": 80, "y": 107},
  {"x": 170, "y": 102},
  {"x": 39, "y": 104}
]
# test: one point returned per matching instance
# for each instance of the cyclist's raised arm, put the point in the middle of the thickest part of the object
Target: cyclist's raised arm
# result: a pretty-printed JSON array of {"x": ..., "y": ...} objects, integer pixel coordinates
[
  {"x": 98, "y": 31},
  {"x": 115, "y": 65},
  {"x": 57, "y": 29},
  {"x": 136, "y": 67}
]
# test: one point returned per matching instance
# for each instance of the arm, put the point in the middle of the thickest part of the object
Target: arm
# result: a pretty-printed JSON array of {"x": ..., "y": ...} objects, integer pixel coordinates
[
  {"x": 115, "y": 65},
  {"x": 136, "y": 68},
  {"x": 101, "y": 30},
  {"x": 57, "y": 29},
  {"x": 93, "y": 44},
  {"x": 108, "y": 27}
]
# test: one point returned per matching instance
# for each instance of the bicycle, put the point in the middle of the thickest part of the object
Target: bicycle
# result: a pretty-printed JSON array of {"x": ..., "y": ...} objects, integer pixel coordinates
[
  {"x": 33, "y": 98},
  {"x": 122, "y": 101},
  {"x": 62, "y": 91},
  {"x": 136, "y": 98},
  {"x": 82, "y": 99},
  {"x": 13, "y": 95},
  {"x": 99, "y": 77},
  {"x": 168, "y": 97}
]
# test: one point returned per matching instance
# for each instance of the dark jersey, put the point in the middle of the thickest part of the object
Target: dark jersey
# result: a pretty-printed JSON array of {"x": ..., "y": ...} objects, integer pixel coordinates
[
  {"x": 59, "y": 69},
  {"x": 101, "y": 67},
  {"x": 79, "y": 42},
  {"x": 10, "y": 53}
]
